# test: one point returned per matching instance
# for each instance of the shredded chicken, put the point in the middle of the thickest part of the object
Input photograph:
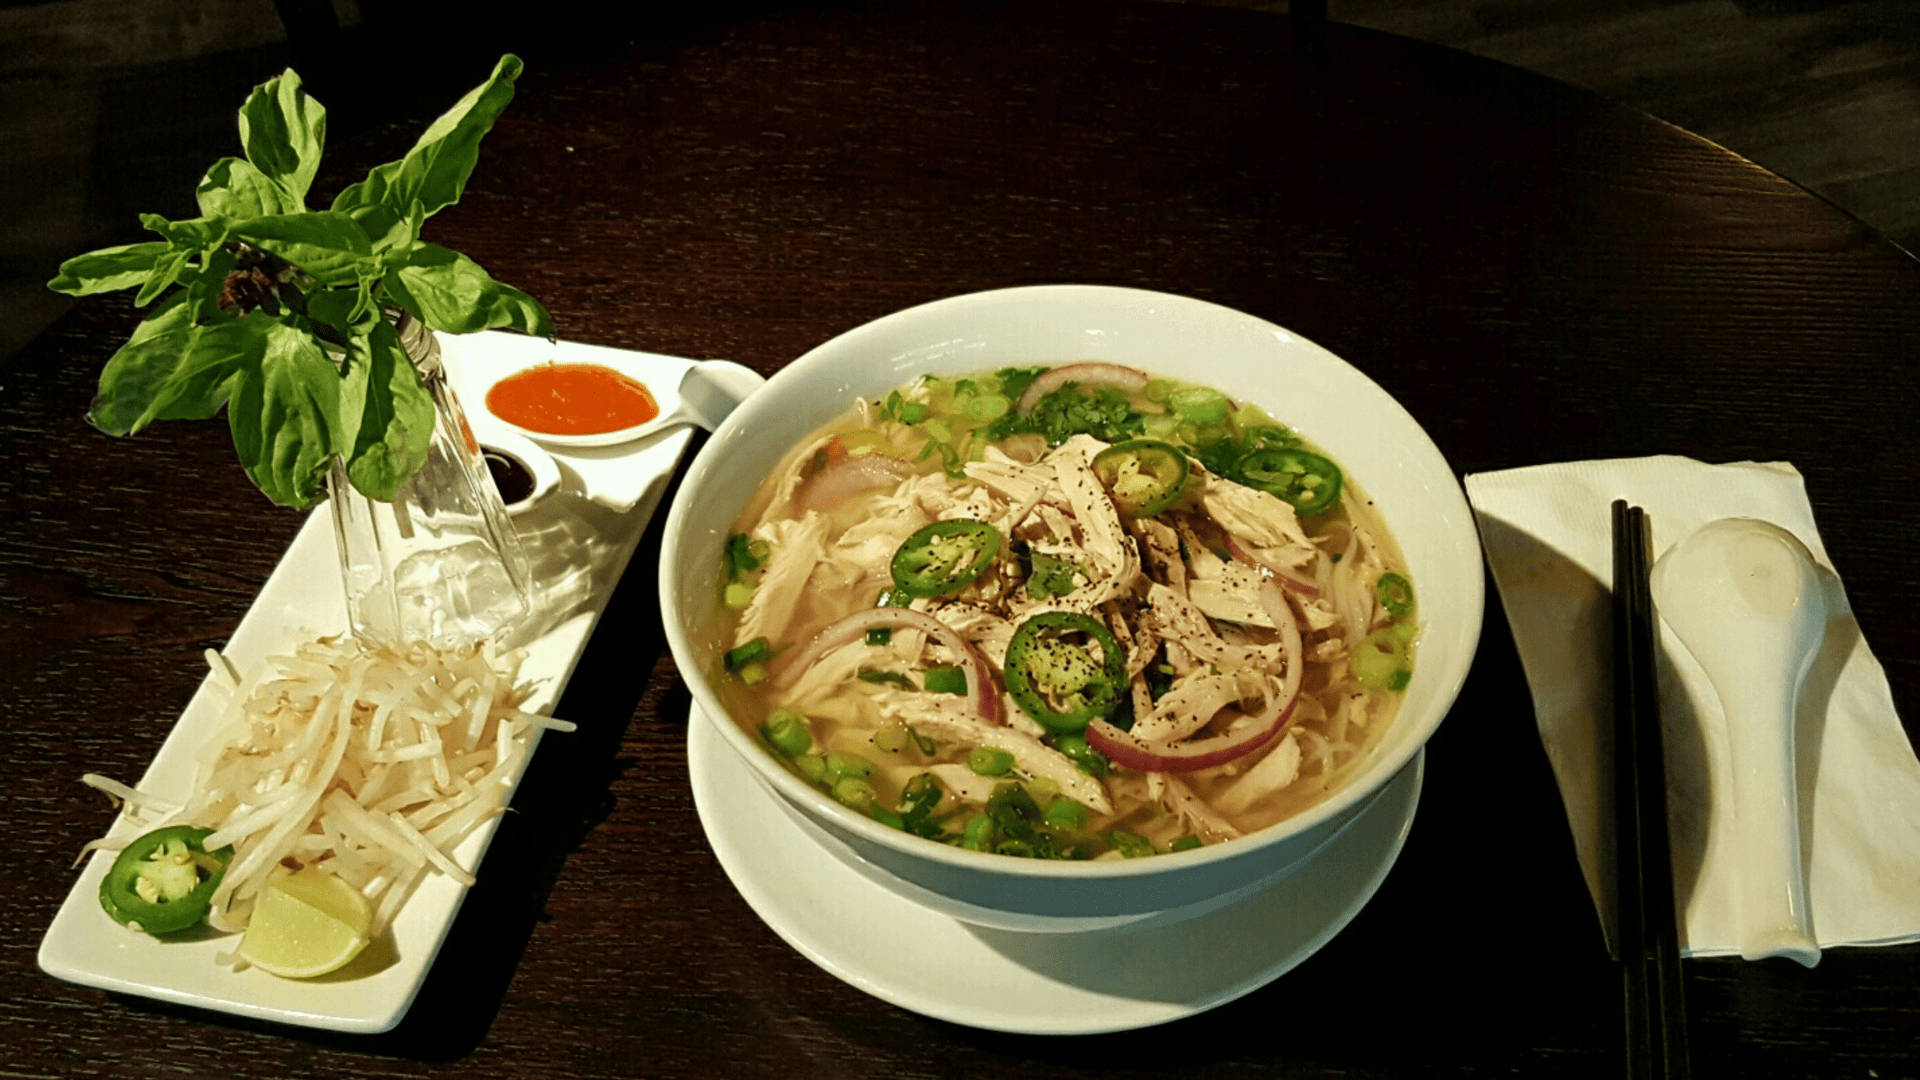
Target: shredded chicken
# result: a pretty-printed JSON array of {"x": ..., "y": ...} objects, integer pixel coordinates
[
  {"x": 944, "y": 722},
  {"x": 1191, "y": 597}
]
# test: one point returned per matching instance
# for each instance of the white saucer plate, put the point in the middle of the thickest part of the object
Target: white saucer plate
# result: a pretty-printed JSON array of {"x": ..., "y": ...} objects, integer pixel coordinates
[{"x": 1054, "y": 984}]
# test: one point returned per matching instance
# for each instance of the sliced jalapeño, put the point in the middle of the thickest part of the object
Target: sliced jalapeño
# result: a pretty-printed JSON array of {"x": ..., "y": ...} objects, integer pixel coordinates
[
  {"x": 1065, "y": 670},
  {"x": 1145, "y": 476},
  {"x": 164, "y": 881},
  {"x": 944, "y": 557},
  {"x": 1303, "y": 480}
]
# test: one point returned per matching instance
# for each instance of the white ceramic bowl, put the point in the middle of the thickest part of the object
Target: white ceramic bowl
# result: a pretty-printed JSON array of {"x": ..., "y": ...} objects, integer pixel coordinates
[{"x": 1326, "y": 399}]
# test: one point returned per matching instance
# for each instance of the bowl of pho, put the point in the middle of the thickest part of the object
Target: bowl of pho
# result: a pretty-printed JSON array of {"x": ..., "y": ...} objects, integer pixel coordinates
[{"x": 1066, "y": 607}]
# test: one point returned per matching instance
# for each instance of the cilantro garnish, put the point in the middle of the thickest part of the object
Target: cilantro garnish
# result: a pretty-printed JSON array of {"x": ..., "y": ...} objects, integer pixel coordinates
[{"x": 1103, "y": 413}]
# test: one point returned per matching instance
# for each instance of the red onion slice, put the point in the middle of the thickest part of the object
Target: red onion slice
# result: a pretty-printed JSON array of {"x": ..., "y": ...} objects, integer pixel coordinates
[
  {"x": 1192, "y": 755},
  {"x": 1286, "y": 578},
  {"x": 1089, "y": 373},
  {"x": 982, "y": 689},
  {"x": 1124, "y": 750},
  {"x": 850, "y": 476}
]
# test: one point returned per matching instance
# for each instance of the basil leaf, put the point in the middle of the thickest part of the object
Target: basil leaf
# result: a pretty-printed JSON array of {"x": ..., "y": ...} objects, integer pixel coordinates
[
  {"x": 284, "y": 413},
  {"x": 193, "y": 234},
  {"x": 165, "y": 273},
  {"x": 207, "y": 283},
  {"x": 172, "y": 370},
  {"x": 108, "y": 269},
  {"x": 387, "y": 230},
  {"x": 337, "y": 309},
  {"x": 517, "y": 310},
  {"x": 236, "y": 189},
  {"x": 435, "y": 171},
  {"x": 451, "y": 293},
  {"x": 326, "y": 244},
  {"x": 283, "y": 131},
  {"x": 313, "y": 372},
  {"x": 391, "y": 412}
]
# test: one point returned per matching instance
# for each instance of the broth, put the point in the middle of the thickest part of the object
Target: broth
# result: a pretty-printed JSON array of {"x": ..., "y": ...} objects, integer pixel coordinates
[{"x": 1066, "y": 612}]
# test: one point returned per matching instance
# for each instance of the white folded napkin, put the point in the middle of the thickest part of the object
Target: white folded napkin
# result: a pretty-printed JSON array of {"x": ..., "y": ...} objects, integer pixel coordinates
[{"x": 1548, "y": 537}]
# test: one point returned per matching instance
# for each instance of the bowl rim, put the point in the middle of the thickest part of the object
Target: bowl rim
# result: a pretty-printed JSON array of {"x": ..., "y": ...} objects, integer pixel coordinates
[{"x": 1341, "y": 803}]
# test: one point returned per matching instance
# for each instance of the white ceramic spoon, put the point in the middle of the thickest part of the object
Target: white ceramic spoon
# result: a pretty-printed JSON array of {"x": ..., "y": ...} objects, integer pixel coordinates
[
  {"x": 707, "y": 393},
  {"x": 1746, "y": 599}
]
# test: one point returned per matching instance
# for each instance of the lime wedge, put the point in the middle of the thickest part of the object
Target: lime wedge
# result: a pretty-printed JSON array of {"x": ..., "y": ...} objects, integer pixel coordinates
[{"x": 307, "y": 923}]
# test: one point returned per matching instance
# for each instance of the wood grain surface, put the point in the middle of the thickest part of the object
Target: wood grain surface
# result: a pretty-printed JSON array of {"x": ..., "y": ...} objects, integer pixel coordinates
[{"x": 1537, "y": 274}]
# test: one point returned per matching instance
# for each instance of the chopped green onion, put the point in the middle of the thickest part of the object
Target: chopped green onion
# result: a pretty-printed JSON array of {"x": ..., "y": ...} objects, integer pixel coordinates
[
  {"x": 752, "y": 674},
  {"x": 1066, "y": 814},
  {"x": 989, "y": 761},
  {"x": 841, "y": 765},
  {"x": 879, "y": 636},
  {"x": 912, "y": 412},
  {"x": 742, "y": 655},
  {"x": 890, "y": 740},
  {"x": 740, "y": 556},
  {"x": 1380, "y": 661},
  {"x": 1084, "y": 757},
  {"x": 1185, "y": 843},
  {"x": 945, "y": 680},
  {"x": 978, "y": 833},
  {"x": 988, "y": 407},
  {"x": 891, "y": 678},
  {"x": 1161, "y": 425},
  {"x": 738, "y": 594},
  {"x": 918, "y": 800},
  {"x": 1257, "y": 432},
  {"x": 854, "y": 791},
  {"x": 811, "y": 766},
  {"x": 788, "y": 731},
  {"x": 1128, "y": 844},
  {"x": 1395, "y": 593},
  {"x": 922, "y": 794},
  {"x": 1200, "y": 404}
]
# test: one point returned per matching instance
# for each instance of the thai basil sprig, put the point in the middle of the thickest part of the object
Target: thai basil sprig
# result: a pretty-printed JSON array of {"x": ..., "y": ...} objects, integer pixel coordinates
[{"x": 275, "y": 311}]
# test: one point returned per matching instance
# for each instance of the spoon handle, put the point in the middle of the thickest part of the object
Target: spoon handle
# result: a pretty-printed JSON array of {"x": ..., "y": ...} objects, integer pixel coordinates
[{"x": 1766, "y": 807}]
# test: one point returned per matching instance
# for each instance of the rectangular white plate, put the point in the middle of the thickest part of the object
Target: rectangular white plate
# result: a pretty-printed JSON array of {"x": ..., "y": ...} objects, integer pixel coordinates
[{"x": 579, "y": 549}]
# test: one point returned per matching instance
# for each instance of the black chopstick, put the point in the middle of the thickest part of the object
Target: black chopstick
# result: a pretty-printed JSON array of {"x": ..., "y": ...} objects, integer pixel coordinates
[{"x": 1656, "y": 1020}]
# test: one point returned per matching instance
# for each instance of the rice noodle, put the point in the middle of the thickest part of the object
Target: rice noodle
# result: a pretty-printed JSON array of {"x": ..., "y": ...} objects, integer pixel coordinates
[{"x": 369, "y": 761}]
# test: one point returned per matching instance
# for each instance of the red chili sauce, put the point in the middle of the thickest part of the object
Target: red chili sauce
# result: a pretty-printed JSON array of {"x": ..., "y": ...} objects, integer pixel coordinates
[{"x": 571, "y": 399}]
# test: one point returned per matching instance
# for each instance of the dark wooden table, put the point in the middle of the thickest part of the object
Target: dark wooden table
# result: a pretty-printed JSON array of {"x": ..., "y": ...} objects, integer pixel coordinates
[{"x": 1538, "y": 274}]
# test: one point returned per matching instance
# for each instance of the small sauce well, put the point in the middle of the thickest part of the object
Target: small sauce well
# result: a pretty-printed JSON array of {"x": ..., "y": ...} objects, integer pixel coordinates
[
  {"x": 513, "y": 479},
  {"x": 521, "y": 470}
]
